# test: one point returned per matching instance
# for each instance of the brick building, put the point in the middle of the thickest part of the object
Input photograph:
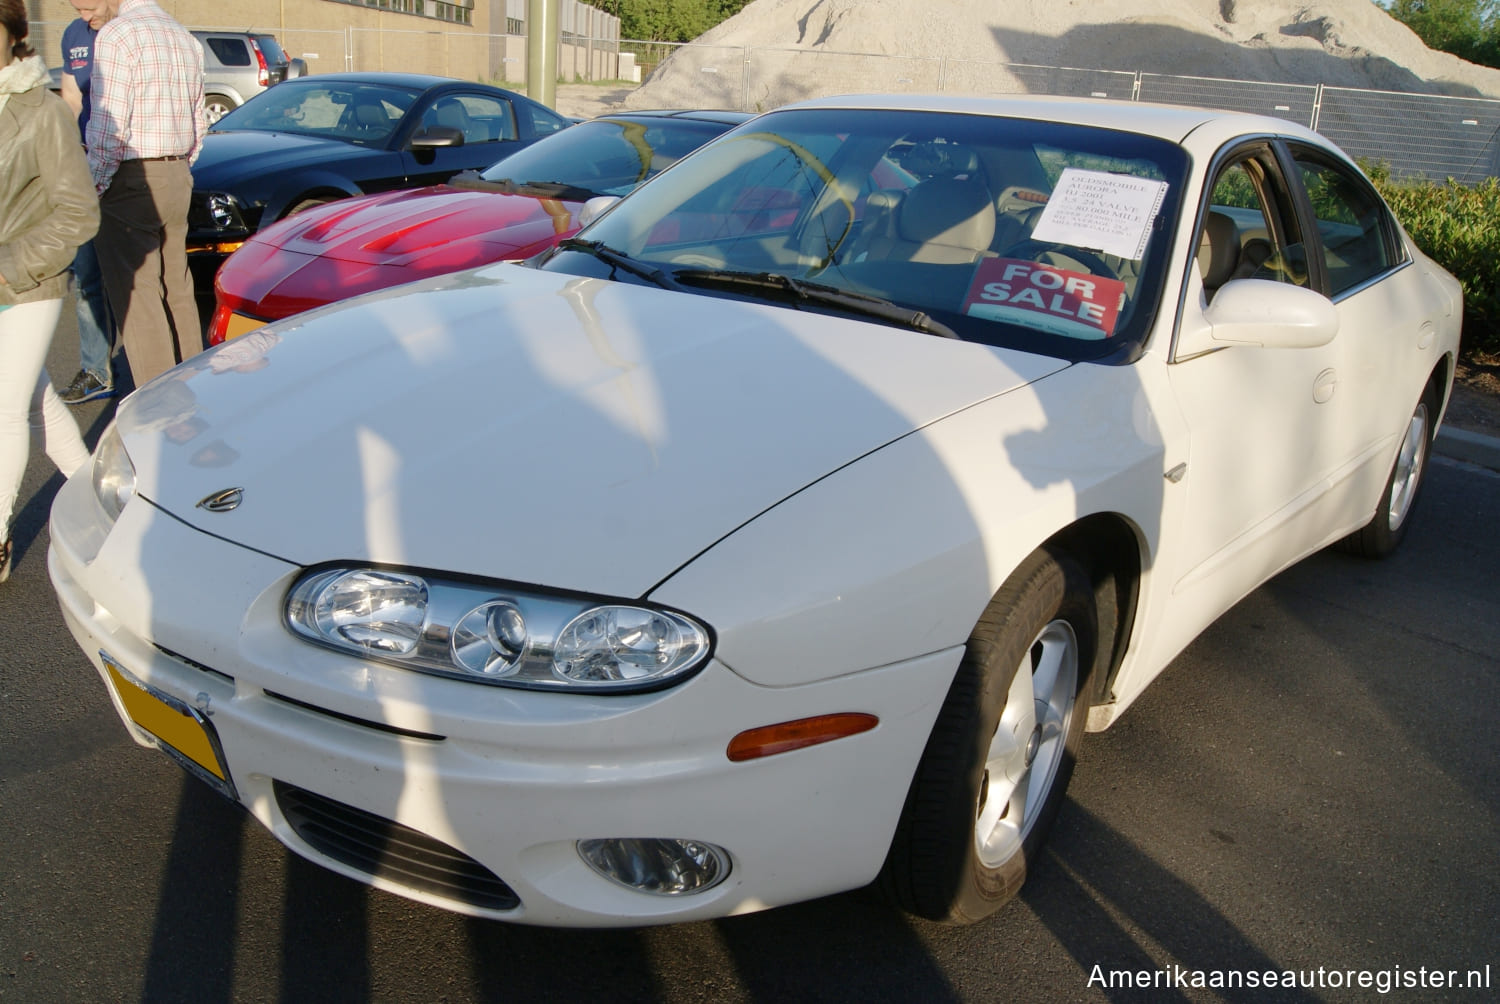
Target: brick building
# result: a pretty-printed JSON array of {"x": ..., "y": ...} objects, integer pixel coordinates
[{"x": 471, "y": 39}]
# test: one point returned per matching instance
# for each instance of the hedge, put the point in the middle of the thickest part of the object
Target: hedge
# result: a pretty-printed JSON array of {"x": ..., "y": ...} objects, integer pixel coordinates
[{"x": 1458, "y": 226}]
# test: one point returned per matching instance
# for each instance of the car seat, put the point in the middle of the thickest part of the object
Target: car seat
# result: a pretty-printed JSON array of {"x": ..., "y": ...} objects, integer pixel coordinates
[
  {"x": 940, "y": 221},
  {"x": 1218, "y": 251}
]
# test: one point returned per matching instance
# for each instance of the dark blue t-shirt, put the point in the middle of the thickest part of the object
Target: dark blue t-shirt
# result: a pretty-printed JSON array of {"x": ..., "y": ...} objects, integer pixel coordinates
[{"x": 78, "y": 59}]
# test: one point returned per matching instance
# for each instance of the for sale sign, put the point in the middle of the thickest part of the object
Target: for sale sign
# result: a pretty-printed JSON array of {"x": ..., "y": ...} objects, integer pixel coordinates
[{"x": 1075, "y": 304}]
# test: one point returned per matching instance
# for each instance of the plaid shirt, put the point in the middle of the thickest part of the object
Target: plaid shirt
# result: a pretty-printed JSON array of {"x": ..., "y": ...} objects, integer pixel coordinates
[{"x": 147, "y": 91}]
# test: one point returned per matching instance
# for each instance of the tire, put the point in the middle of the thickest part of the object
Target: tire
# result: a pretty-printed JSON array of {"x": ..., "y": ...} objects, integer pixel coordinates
[
  {"x": 307, "y": 203},
  {"x": 958, "y": 852},
  {"x": 1385, "y": 531},
  {"x": 216, "y": 106}
]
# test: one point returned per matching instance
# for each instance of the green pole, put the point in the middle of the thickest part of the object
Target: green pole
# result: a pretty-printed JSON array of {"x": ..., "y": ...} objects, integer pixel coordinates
[{"x": 541, "y": 51}]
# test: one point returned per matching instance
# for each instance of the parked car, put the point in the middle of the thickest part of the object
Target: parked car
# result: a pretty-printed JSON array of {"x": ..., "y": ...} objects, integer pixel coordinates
[
  {"x": 750, "y": 550},
  {"x": 237, "y": 65},
  {"x": 513, "y": 210},
  {"x": 314, "y": 139}
]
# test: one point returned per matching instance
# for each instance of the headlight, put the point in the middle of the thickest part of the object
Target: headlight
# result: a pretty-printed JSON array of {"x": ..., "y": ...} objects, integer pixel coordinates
[
  {"x": 223, "y": 211},
  {"x": 113, "y": 474},
  {"x": 494, "y": 633}
]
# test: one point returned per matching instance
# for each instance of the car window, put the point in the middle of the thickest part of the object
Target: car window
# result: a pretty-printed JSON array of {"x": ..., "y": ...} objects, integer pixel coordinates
[
  {"x": 605, "y": 156},
  {"x": 1008, "y": 231},
  {"x": 270, "y": 49},
  {"x": 1356, "y": 231},
  {"x": 229, "y": 51},
  {"x": 1250, "y": 230},
  {"x": 364, "y": 114},
  {"x": 479, "y": 117},
  {"x": 543, "y": 122}
]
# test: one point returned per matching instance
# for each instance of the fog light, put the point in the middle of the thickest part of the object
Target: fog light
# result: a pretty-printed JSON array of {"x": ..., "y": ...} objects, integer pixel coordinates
[{"x": 660, "y": 866}]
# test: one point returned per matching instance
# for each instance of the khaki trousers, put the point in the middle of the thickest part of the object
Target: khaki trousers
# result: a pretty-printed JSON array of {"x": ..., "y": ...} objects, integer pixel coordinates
[{"x": 142, "y": 247}]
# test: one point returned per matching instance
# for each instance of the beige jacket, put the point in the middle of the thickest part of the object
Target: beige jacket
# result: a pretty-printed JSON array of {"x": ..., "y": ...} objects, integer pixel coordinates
[{"x": 47, "y": 202}]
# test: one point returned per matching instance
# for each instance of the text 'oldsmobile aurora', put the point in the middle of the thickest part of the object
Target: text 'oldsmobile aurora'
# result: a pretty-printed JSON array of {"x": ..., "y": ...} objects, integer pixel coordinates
[{"x": 781, "y": 532}]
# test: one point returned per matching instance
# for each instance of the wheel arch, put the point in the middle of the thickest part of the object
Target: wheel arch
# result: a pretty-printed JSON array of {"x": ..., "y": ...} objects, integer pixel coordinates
[
  {"x": 1109, "y": 548},
  {"x": 328, "y": 189},
  {"x": 221, "y": 91},
  {"x": 1442, "y": 380}
]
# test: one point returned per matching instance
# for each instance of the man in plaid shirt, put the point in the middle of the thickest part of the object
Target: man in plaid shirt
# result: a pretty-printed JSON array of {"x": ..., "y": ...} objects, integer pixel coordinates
[{"x": 145, "y": 130}]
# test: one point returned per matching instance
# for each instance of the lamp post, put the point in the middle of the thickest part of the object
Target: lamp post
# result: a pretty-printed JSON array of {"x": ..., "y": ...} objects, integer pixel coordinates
[{"x": 541, "y": 51}]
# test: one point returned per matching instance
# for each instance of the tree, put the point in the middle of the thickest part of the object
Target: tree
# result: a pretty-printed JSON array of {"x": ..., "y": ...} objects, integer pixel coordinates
[
  {"x": 1469, "y": 29},
  {"x": 672, "y": 20}
]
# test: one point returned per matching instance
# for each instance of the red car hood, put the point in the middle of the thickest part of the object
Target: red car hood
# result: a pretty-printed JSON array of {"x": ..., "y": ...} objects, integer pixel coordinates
[{"x": 372, "y": 242}]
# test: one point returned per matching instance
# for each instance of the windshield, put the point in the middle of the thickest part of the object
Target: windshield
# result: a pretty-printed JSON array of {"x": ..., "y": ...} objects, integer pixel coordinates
[
  {"x": 1030, "y": 234},
  {"x": 605, "y": 156},
  {"x": 364, "y": 114}
]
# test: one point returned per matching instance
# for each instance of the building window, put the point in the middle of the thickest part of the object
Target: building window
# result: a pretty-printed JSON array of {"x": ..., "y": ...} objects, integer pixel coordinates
[{"x": 457, "y": 13}]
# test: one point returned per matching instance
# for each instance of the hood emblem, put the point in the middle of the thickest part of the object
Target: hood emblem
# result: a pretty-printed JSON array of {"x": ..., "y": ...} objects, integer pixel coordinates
[{"x": 225, "y": 501}]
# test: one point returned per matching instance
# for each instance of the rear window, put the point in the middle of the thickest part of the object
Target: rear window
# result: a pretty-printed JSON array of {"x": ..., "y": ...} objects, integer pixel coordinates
[{"x": 270, "y": 49}]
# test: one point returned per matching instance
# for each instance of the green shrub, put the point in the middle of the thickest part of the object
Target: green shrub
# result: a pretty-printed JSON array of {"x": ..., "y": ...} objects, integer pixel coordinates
[{"x": 1458, "y": 226}]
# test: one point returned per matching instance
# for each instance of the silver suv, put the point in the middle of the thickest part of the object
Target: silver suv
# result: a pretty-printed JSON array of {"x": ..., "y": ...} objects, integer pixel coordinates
[{"x": 237, "y": 65}]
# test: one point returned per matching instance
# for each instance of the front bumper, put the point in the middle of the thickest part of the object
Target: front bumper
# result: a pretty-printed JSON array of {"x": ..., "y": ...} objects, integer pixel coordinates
[{"x": 330, "y": 752}]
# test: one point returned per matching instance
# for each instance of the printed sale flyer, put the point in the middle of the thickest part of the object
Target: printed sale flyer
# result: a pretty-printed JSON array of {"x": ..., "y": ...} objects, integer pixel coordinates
[{"x": 1074, "y": 304}]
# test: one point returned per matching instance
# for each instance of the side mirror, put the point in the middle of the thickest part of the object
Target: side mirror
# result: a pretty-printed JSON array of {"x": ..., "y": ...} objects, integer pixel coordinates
[
  {"x": 433, "y": 137},
  {"x": 595, "y": 208},
  {"x": 1272, "y": 315}
]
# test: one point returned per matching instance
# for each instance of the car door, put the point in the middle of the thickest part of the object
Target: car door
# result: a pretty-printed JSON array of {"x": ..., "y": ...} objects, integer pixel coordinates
[
  {"x": 1385, "y": 321},
  {"x": 1262, "y": 424},
  {"x": 487, "y": 123}
]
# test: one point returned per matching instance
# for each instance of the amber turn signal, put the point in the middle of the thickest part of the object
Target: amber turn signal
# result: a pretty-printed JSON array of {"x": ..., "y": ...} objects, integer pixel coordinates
[{"x": 768, "y": 740}]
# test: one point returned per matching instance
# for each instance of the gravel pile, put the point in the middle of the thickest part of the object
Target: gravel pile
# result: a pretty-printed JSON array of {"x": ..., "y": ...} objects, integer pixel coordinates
[{"x": 954, "y": 44}]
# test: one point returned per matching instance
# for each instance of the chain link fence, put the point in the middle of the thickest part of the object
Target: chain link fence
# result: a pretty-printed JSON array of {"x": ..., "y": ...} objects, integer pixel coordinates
[{"x": 1415, "y": 135}]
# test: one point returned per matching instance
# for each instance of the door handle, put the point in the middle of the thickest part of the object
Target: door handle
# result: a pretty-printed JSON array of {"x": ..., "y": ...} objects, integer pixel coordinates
[{"x": 1324, "y": 386}]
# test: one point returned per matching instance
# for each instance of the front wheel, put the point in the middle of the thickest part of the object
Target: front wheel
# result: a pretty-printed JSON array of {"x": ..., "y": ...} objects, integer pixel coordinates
[
  {"x": 997, "y": 764},
  {"x": 216, "y": 106},
  {"x": 1384, "y": 532}
]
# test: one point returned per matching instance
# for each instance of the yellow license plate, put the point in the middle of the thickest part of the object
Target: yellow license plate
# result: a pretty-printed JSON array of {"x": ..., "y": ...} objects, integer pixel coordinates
[
  {"x": 183, "y": 732},
  {"x": 239, "y": 324}
]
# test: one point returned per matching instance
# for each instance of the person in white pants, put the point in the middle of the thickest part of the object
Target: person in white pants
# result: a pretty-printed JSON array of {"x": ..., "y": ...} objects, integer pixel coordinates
[
  {"x": 27, "y": 401},
  {"x": 47, "y": 209}
]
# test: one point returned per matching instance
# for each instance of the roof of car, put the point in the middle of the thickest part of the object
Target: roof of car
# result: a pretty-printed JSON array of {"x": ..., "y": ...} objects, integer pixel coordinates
[
  {"x": 719, "y": 116},
  {"x": 422, "y": 80},
  {"x": 1170, "y": 122}
]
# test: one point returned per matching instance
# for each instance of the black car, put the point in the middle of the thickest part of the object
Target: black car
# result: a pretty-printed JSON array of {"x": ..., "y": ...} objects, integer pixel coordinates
[{"x": 315, "y": 139}]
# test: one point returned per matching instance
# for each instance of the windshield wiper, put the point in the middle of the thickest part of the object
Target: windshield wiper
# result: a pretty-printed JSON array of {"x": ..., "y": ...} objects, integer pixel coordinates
[
  {"x": 819, "y": 294},
  {"x": 620, "y": 260}
]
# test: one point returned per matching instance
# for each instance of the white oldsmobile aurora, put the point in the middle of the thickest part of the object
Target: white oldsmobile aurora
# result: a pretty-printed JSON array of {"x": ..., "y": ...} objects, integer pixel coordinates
[{"x": 781, "y": 533}]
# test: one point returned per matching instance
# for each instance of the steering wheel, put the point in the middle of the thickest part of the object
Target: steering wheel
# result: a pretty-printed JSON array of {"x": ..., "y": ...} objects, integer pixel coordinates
[{"x": 1032, "y": 249}]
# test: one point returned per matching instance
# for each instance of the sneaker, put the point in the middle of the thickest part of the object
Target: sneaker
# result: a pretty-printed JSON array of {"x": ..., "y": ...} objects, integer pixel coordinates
[
  {"x": 86, "y": 387},
  {"x": 5, "y": 549}
]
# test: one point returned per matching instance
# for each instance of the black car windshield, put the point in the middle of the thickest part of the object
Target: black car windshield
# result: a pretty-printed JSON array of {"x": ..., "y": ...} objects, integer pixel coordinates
[
  {"x": 1037, "y": 235},
  {"x": 364, "y": 114},
  {"x": 605, "y": 156}
]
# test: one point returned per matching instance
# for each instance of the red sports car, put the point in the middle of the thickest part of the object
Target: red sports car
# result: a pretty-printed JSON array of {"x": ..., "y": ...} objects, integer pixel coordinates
[{"x": 518, "y": 207}]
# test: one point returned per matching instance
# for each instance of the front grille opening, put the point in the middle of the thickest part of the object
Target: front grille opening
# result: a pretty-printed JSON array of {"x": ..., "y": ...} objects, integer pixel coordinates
[{"x": 387, "y": 849}]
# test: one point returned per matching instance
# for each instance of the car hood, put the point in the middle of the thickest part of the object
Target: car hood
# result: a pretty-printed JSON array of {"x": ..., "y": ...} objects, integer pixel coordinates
[
  {"x": 229, "y": 160},
  {"x": 570, "y": 432},
  {"x": 370, "y": 242}
]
